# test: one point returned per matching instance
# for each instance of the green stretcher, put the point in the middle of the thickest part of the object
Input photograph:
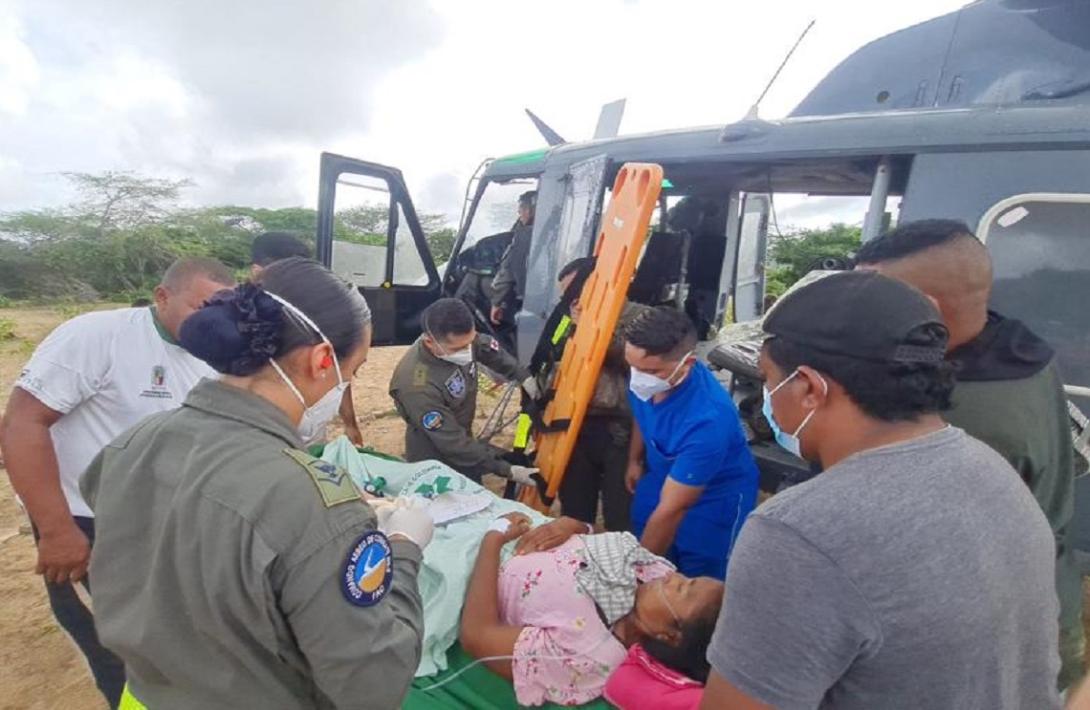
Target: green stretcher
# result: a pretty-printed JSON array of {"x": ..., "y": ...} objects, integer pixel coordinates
[{"x": 477, "y": 688}]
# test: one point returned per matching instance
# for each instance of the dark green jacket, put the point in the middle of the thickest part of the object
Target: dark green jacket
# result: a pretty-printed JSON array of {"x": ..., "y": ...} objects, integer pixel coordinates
[{"x": 1026, "y": 421}]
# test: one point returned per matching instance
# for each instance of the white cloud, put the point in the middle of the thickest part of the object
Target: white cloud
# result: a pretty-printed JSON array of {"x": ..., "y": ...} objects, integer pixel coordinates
[
  {"x": 18, "y": 69},
  {"x": 242, "y": 95},
  {"x": 685, "y": 63}
]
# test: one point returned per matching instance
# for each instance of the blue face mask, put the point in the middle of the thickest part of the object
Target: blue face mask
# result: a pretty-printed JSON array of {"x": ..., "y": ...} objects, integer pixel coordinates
[{"x": 790, "y": 442}]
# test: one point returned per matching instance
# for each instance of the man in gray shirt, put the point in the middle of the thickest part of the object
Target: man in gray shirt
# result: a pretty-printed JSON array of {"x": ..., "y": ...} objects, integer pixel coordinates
[{"x": 917, "y": 570}]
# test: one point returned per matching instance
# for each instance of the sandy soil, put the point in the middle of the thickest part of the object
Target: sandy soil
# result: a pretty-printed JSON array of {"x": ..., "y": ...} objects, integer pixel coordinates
[{"x": 40, "y": 668}]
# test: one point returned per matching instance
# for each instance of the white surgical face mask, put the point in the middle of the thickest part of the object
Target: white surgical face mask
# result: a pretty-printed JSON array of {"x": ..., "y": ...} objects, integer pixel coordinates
[
  {"x": 461, "y": 358},
  {"x": 790, "y": 442},
  {"x": 312, "y": 425},
  {"x": 645, "y": 386}
]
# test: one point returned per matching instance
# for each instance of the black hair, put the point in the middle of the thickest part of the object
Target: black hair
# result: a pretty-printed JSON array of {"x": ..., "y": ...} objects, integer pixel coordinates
[
  {"x": 581, "y": 269},
  {"x": 891, "y": 392},
  {"x": 274, "y": 246},
  {"x": 690, "y": 655},
  {"x": 237, "y": 332},
  {"x": 912, "y": 238},
  {"x": 582, "y": 264},
  {"x": 661, "y": 331},
  {"x": 447, "y": 317},
  {"x": 141, "y": 303},
  {"x": 528, "y": 198}
]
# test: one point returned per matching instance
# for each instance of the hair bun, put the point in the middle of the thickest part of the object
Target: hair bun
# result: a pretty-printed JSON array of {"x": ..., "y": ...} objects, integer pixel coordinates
[{"x": 237, "y": 332}]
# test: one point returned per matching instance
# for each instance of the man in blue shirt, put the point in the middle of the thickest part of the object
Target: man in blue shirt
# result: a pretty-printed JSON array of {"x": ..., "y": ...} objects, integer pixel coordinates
[{"x": 689, "y": 466}]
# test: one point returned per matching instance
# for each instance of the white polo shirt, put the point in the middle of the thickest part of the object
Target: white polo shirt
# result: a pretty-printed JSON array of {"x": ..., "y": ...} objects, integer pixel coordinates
[{"x": 105, "y": 371}]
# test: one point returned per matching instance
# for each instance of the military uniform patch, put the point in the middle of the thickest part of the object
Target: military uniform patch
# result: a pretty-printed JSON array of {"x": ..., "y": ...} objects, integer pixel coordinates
[
  {"x": 494, "y": 344},
  {"x": 420, "y": 375},
  {"x": 456, "y": 384},
  {"x": 431, "y": 420},
  {"x": 368, "y": 570},
  {"x": 333, "y": 483}
]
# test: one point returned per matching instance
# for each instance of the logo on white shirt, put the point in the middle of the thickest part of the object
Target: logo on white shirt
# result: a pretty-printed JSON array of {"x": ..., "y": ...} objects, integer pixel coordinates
[{"x": 158, "y": 389}]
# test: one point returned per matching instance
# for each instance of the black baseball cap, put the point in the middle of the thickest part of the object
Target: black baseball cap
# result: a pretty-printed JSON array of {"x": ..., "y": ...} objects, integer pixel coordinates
[{"x": 861, "y": 315}]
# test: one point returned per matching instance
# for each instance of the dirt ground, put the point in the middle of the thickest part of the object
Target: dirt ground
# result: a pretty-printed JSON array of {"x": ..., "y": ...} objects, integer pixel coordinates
[{"x": 40, "y": 668}]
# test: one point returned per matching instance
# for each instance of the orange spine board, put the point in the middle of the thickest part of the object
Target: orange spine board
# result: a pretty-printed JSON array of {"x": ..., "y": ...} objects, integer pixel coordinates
[{"x": 620, "y": 240}]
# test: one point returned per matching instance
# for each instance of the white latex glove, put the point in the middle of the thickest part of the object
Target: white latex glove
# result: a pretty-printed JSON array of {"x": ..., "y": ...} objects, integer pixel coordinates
[
  {"x": 521, "y": 474},
  {"x": 411, "y": 523},
  {"x": 384, "y": 508},
  {"x": 529, "y": 386}
]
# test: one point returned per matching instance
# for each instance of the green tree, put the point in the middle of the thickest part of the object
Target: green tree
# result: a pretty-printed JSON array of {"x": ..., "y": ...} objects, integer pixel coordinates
[
  {"x": 441, "y": 243},
  {"x": 791, "y": 256},
  {"x": 38, "y": 225},
  {"x": 123, "y": 200},
  {"x": 124, "y": 230}
]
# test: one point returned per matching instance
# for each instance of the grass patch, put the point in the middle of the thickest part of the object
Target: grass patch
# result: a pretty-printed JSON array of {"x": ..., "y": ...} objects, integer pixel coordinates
[{"x": 71, "y": 310}]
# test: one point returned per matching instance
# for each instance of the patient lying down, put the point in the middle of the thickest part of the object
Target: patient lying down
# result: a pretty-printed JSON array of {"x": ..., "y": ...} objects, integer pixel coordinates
[{"x": 560, "y": 615}]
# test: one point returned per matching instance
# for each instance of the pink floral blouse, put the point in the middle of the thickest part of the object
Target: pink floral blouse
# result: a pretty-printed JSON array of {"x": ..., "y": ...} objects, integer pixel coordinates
[{"x": 565, "y": 653}]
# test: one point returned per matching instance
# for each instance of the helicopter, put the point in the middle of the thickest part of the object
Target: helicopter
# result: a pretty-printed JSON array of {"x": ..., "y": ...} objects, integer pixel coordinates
[{"x": 980, "y": 115}]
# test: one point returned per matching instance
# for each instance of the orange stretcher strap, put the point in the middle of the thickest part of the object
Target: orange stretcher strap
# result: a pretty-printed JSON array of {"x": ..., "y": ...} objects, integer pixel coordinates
[{"x": 620, "y": 240}]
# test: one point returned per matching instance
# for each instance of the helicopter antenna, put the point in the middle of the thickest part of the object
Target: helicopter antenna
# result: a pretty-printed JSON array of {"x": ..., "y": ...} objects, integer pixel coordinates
[{"x": 752, "y": 113}]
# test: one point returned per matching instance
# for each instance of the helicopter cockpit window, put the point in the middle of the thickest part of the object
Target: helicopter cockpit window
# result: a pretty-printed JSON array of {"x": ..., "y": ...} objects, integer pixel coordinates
[
  {"x": 497, "y": 209},
  {"x": 1040, "y": 247}
]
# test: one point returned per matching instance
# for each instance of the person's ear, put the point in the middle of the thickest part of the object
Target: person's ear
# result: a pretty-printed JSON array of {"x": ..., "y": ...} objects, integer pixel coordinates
[
  {"x": 817, "y": 387},
  {"x": 320, "y": 361},
  {"x": 687, "y": 366},
  {"x": 671, "y": 636},
  {"x": 161, "y": 296}
]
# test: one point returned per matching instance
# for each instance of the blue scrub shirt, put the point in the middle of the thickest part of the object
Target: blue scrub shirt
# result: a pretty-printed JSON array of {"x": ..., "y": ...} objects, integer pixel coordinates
[{"x": 694, "y": 436}]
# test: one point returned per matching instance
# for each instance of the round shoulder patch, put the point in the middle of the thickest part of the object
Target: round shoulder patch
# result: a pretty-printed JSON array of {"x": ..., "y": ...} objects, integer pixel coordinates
[
  {"x": 368, "y": 570},
  {"x": 431, "y": 420}
]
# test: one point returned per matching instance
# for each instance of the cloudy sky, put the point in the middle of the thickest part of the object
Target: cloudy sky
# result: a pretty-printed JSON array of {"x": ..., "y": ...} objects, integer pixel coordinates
[{"x": 241, "y": 95}]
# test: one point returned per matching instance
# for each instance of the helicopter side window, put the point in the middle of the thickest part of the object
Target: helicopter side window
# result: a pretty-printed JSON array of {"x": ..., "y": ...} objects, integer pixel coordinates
[
  {"x": 1040, "y": 246},
  {"x": 365, "y": 213}
]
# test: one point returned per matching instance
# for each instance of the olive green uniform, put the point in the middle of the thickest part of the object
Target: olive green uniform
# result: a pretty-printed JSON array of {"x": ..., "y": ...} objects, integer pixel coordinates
[
  {"x": 222, "y": 566},
  {"x": 438, "y": 401},
  {"x": 509, "y": 284}
]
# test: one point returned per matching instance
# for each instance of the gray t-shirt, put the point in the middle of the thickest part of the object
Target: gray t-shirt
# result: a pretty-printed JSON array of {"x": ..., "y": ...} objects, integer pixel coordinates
[{"x": 918, "y": 575}]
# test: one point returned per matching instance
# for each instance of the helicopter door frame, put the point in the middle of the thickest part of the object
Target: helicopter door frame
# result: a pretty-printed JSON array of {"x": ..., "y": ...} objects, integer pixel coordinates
[
  {"x": 749, "y": 273},
  {"x": 569, "y": 205},
  {"x": 395, "y": 307}
]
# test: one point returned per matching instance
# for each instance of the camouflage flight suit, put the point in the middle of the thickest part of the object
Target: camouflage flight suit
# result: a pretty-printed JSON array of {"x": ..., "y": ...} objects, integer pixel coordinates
[{"x": 438, "y": 400}]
